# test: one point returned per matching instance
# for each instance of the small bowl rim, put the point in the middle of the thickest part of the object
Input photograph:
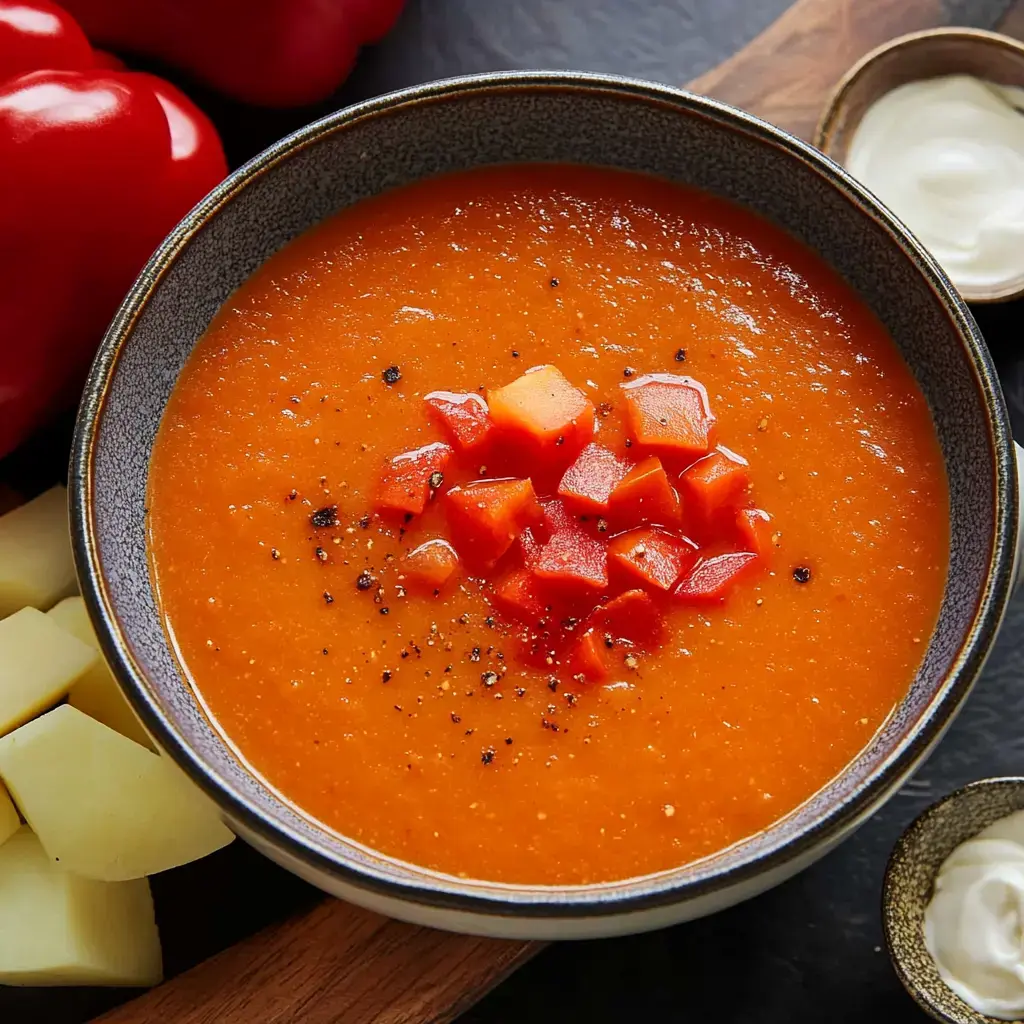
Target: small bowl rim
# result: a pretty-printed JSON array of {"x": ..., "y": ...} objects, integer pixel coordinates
[
  {"x": 1011, "y": 289},
  {"x": 898, "y": 860},
  {"x": 597, "y": 900}
]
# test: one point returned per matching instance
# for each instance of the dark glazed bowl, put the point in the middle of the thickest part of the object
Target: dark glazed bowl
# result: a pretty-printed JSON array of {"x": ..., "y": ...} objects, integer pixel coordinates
[
  {"x": 914, "y": 863},
  {"x": 516, "y": 117}
]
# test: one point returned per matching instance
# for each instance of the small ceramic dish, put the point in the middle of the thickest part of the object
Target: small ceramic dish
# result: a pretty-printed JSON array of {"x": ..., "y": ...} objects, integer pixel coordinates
[
  {"x": 914, "y": 863},
  {"x": 910, "y": 58}
]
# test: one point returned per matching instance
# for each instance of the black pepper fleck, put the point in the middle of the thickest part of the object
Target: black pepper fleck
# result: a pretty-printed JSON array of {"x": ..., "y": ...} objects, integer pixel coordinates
[
  {"x": 628, "y": 371},
  {"x": 602, "y": 524},
  {"x": 560, "y": 439},
  {"x": 487, "y": 756},
  {"x": 489, "y": 621},
  {"x": 436, "y": 479},
  {"x": 385, "y": 610},
  {"x": 321, "y": 554},
  {"x": 365, "y": 521},
  {"x": 629, "y": 443},
  {"x": 293, "y": 494},
  {"x": 328, "y": 599},
  {"x": 325, "y": 517},
  {"x": 392, "y": 375},
  {"x": 275, "y": 554},
  {"x": 489, "y": 678},
  {"x": 456, "y": 718},
  {"x": 474, "y": 655},
  {"x": 681, "y": 355},
  {"x": 553, "y": 684},
  {"x": 385, "y": 676},
  {"x": 802, "y": 574},
  {"x": 515, "y": 354},
  {"x": 520, "y": 691},
  {"x": 554, "y": 282},
  {"x": 508, "y": 741}
]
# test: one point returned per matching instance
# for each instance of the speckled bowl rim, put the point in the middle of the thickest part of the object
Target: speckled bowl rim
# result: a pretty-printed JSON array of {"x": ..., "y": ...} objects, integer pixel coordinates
[
  {"x": 826, "y": 127},
  {"x": 902, "y": 854},
  {"x": 550, "y": 902}
]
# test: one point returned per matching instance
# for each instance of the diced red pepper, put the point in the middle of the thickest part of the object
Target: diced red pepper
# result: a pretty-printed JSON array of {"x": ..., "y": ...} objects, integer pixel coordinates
[
  {"x": 431, "y": 564},
  {"x": 644, "y": 495},
  {"x": 587, "y": 659},
  {"x": 529, "y": 547},
  {"x": 516, "y": 596},
  {"x": 669, "y": 413},
  {"x": 543, "y": 412},
  {"x": 464, "y": 415},
  {"x": 487, "y": 516},
  {"x": 631, "y": 618},
  {"x": 571, "y": 556},
  {"x": 715, "y": 483},
  {"x": 711, "y": 579},
  {"x": 405, "y": 483},
  {"x": 590, "y": 480},
  {"x": 653, "y": 557},
  {"x": 754, "y": 526}
]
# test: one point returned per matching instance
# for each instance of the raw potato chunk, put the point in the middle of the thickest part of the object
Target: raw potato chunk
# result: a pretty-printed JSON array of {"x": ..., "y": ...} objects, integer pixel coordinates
[
  {"x": 39, "y": 663},
  {"x": 101, "y": 805},
  {"x": 97, "y": 692},
  {"x": 59, "y": 929},
  {"x": 9, "y": 820},
  {"x": 36, "y": 568}
]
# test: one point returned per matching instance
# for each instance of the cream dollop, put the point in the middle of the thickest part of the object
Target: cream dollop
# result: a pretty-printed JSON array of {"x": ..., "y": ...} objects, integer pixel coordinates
[
  {"x": 974, "y": 924},
  {"x": 947, "y": 156}
]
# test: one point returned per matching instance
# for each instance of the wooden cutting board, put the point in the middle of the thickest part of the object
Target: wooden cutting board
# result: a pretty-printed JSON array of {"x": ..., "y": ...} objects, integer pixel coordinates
[{"x": 339, "y": 964}]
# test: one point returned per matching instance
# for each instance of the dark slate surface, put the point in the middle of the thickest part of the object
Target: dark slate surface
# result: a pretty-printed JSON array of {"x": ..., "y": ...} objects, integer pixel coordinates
[{"x": 808, "y": 951}]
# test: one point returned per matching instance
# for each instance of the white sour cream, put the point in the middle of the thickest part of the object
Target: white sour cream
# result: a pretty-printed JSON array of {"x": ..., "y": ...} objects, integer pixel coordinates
[
  {"x": 974, "y": 924},
  {"x": 947, "y": 156}
]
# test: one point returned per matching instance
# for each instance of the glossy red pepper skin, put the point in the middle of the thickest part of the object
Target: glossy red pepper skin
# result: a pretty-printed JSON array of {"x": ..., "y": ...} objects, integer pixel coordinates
[
  {"x": 96, "y": 166},
  {"x": 275, "y": 53}
]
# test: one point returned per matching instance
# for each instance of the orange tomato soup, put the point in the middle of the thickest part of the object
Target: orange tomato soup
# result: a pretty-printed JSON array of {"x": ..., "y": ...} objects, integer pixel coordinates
[{"x": 366, "y": 707}]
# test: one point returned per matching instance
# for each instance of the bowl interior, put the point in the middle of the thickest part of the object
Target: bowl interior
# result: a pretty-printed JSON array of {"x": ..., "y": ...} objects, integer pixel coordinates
[
  {"x": 531, "y": 117},
  {"x": 911, "y": 58},
  {"x": 908, "y": 886}
]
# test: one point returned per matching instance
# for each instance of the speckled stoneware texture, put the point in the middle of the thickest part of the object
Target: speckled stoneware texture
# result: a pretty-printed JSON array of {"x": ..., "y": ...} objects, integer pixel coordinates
[
  {"x": 588, "y": 119},
  {"x": 913, "y": 866}
]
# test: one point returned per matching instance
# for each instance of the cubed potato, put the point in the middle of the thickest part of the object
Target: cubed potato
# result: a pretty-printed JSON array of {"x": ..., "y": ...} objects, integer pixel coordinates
[
  {"x": 9, "y": 820},
  {"x": 57, "y": 928},
  {"x": 97, "y": 692},
  {"x": 102, "y": 805},
  {"x": 39, "y": 663},
  {"x": 36, "y": 567}
]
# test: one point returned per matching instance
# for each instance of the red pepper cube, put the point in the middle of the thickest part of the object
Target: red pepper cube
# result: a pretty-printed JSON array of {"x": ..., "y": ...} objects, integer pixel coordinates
[
  {"x": 529, "y": 547},
  {"x": 571, "y": 557},
  {"x": 464, "y": 415},
  {"x": 754, "y": 527},
  {"x": 588, "y": 483},
  {"x": 631, "y": 618},
  {"x": 711, "y": 579},
  {"x": 431, "y": 564},
  {"x": 587, "y": 659},
  {"x": 652, "y": 557},
  {"x": 716, "y": 483},
  {"x": 543, "y": 412},
  {"x": 644, "y": 495},
  {"x": 407, "y": 481},
  {"x": 487, "y": 516},
  {"x": 669, "y": 413},
  {"x": 516, "y": 596}
]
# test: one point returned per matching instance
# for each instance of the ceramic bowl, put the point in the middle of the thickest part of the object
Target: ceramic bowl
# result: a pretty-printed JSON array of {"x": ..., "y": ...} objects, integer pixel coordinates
[
  {"x": 515, "y": 117},
  {"x": 910, "y": 58},
  {"x": 914, "y": 863}
]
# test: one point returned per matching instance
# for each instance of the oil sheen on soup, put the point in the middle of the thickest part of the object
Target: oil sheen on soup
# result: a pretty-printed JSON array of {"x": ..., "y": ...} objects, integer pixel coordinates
[{"x": 418, "y": 720}]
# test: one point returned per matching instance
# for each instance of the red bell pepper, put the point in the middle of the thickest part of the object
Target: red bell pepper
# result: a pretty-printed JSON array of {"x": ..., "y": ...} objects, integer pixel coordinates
[
  {"x": 96, "y": 166},
  {"x": 409, "y": 480},
  {"x": 590, "y": 480},
  {"x": 276, "y": 53}
]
